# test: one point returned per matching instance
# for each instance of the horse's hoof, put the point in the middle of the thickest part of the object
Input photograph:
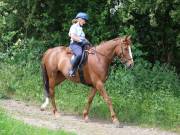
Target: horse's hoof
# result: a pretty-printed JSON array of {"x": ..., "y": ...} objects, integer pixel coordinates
[
  {"x": 42, "y": 109},
  {"x": 85, "y": 116},
  {"x": 57, "y": 115},
  {"x": 117, "y": 124},
  {"x": 86, "y": 119}
]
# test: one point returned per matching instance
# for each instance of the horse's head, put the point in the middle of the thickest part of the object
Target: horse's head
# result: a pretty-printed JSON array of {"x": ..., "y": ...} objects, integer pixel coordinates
[{"x": 123, "y": 51}]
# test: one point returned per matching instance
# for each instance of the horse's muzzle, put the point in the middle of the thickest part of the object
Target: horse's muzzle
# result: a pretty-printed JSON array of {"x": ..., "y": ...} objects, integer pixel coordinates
[{"x": 129, "y": 66}]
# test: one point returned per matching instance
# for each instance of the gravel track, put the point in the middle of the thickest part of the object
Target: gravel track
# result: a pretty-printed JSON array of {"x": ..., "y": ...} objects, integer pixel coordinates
[{"x": 32, "y": 115}]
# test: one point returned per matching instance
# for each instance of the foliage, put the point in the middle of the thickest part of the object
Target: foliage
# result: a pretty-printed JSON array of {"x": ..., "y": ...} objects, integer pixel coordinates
[
  {"x": 146, "y": 94},
  {"x": 154, "y": 24}
]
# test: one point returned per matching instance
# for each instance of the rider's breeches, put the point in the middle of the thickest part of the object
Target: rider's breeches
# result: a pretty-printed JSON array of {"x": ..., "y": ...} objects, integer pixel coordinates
[{"x": 77, "y": 50}]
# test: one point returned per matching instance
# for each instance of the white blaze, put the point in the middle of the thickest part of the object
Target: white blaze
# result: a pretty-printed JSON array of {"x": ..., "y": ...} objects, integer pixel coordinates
[{"x": 130, "y": 53}]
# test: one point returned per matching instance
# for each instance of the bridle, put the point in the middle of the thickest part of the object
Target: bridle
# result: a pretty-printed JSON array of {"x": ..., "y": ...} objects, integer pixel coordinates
[{"x": 121, "y": 56}]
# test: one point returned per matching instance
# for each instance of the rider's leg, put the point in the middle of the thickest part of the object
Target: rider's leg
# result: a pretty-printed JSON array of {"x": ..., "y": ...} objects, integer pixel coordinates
[{"x": 77, "y": 50}]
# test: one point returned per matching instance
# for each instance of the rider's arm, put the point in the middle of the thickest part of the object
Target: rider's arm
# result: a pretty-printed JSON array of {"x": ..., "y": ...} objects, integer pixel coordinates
[
  {"x": 73, "y": 33},
  {"x": 75, "y": 37}
]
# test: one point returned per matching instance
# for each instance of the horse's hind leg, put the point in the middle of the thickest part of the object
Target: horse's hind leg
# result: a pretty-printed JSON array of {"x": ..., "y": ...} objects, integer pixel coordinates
[
  {"x": 44, "y": 105},
  {"x": 90, "y": 98},
  {"x": 52, "y": 94},
  {"x": 52, "y": 83}
]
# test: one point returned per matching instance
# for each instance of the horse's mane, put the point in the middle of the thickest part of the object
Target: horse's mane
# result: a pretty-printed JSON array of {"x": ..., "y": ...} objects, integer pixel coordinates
[{"x": 106, "y": 41}]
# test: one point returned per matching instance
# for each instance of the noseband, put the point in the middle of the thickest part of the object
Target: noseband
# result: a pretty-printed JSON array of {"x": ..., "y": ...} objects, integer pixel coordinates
[{"x": 121, "y": 55}]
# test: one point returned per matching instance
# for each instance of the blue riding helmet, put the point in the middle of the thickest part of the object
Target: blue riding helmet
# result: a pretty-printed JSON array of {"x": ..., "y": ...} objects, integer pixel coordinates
[{"x": 82, "y": 15}]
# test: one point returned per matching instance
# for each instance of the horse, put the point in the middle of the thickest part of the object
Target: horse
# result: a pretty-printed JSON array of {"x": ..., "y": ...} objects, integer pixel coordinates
[{"x": 56, "y": 64}]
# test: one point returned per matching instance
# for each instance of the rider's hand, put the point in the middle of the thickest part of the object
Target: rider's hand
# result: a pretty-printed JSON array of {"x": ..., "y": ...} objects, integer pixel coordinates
[{"x": 84, "y": 41}]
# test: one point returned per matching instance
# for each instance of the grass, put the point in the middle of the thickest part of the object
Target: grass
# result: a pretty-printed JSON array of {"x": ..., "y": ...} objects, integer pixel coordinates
[{"x": 10, "y": 126}]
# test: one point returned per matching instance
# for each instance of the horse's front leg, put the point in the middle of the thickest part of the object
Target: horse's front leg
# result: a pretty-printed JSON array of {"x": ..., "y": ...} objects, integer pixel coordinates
[
  {"x": 90, "y": 99},
  {"x": 52, "y": 96},
  {"x": 103, "y": 93}
]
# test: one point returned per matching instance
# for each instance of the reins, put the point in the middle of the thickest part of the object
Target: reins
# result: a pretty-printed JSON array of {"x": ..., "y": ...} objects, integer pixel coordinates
[{"x": 97, "y": 52}]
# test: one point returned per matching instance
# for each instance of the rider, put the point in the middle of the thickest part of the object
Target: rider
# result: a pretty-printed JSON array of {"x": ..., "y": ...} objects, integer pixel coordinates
[{"x": 78, "y": 40}]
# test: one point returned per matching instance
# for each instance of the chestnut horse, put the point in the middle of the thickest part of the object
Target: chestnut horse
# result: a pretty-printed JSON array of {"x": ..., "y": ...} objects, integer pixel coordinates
[{"x": 56, "y": 64}]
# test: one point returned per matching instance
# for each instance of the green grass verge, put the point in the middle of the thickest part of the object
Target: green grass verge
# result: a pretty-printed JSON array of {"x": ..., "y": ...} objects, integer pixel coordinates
[{"x": 10, "y": 126}]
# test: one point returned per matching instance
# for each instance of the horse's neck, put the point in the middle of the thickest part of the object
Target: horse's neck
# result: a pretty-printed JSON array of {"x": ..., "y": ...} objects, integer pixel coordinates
[
  {"x": 105, "y": 53},
  {"x": 107, "y": 49}
]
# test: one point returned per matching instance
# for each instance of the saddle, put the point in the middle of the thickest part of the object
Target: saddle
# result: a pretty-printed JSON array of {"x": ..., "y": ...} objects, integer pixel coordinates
[
  {"x": 80, "y": 65},
  {"x": 83, "y": 58}
]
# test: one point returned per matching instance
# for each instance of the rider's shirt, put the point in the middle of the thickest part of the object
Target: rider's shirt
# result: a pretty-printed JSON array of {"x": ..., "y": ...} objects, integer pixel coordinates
[{"x": 77, "y": 30}]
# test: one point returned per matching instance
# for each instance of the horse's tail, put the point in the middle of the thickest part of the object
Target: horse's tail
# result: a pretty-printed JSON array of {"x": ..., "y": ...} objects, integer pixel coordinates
[{"x": 45, "y": 80}]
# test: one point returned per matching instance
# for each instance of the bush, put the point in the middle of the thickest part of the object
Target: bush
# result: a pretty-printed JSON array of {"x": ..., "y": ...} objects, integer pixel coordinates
[{"x": 146, "y": 94}]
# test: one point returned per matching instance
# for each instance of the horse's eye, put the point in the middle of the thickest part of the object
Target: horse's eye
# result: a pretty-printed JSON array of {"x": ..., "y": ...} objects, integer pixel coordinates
[{"x": 126, "y": 49}]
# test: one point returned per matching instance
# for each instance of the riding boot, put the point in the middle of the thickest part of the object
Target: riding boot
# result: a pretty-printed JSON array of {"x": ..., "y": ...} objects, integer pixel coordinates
[{"x": 74, "y": 63}]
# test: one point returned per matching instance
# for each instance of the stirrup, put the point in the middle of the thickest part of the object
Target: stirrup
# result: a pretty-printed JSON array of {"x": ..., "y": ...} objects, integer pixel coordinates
[{"x": 72, "y": 73}]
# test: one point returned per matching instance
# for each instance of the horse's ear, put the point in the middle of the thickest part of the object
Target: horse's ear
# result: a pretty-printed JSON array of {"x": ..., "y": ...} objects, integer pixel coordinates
[
  {"x": 129, "y": 37},
  {"x": 126, "y": 38}
]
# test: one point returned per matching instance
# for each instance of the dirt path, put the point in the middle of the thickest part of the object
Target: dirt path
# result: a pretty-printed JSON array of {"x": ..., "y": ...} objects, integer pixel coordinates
[{"x": 32, "y": 115}]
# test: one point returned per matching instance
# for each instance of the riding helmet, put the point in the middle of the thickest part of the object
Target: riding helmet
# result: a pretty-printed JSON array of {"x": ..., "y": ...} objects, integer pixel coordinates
[{"x": 82, "y": 15}]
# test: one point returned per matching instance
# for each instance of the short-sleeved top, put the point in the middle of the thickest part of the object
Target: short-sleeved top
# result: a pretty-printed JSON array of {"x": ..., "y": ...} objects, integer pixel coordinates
[{"x": 77, "y": 30}]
